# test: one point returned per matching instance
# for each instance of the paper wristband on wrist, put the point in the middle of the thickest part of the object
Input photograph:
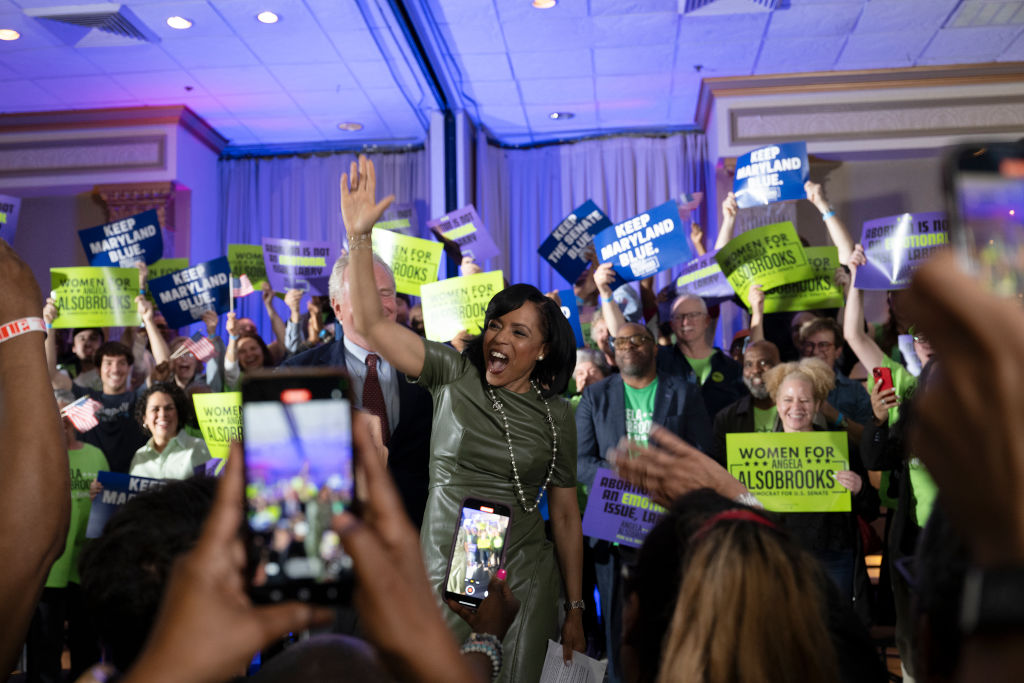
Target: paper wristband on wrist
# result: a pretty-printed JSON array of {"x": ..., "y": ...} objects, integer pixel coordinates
[
  {"x": 16, "y": 328},
  {"x": 486, "y": 644},
  {"x": 607, "y": 299},
  {"x": 825, "y": 215}
]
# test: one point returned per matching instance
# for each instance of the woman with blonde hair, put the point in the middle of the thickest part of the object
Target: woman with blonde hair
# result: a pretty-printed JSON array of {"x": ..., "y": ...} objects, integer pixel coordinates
[
  {"x": 799, "y": 389},
  {"x": 750, "y": 607}
]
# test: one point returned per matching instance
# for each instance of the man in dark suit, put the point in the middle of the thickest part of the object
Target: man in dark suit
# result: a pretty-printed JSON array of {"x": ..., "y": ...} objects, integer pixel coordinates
[
  {"x": 626, "y": 405},
  {"x": 405, "y": 409}
]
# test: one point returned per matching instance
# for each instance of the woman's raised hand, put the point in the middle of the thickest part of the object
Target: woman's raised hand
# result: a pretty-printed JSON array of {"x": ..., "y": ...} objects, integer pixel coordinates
[{"x": 359, "y": 208}]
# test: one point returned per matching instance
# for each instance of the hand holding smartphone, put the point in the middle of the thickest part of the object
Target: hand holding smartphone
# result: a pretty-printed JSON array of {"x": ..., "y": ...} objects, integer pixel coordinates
[
  {"x": 299, "y": 474},
  {"x": 478, "y": 550},
  {"x": 883, "y": 378}
]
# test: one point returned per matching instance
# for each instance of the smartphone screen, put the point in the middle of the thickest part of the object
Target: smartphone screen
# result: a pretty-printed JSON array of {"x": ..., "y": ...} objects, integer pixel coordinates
[
  {"x": 985, "y": 185},
  {"x": 478, "y": 550},
  {"x": 299, "y": 474}
]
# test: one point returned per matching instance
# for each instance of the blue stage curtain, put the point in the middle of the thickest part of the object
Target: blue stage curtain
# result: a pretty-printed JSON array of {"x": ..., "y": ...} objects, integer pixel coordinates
[
  {"x": 522, "y": 194},
  {"x": 299, "y": 197}
]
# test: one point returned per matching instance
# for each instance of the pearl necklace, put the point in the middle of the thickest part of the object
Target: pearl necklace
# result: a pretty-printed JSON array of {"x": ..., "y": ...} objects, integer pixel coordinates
[{"x": 497, "y": 405}]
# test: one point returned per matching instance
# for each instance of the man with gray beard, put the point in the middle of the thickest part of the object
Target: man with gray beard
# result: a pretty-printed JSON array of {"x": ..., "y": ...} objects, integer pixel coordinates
[{"x": 754, "y": 412}]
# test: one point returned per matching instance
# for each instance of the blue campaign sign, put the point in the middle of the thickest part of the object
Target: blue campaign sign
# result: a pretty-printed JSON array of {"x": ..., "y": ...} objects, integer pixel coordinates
[
  {"x": 118, "y": 489},
  {"x": 565, "y": 247},
  {"x": 645, "y": 244},
  {"x": 9, "y": 207},
  {"x": 122, "y": 243},
  {"x": 572, "y": 313},
  {"x": 184, "y": 296},
  {"x": 771, "y": 174}
]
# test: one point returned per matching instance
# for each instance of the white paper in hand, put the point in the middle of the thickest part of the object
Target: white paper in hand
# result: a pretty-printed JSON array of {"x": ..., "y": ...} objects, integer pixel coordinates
[{"x": 582, "y": 669}]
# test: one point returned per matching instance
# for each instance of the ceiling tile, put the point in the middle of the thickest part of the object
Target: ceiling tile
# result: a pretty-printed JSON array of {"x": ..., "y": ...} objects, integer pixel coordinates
[
  {"x": 813, "y": 20},
  {"x": 795, "y": 55},
  {"x": 21, "y": 94},
  {"x": 206, "y": 21},
  {"x": 373, "y": 128},
  {"x": 503, "y": 118},
  {"x": 5, "y": 73},
  {"x": 278, "y": 129},
  {"x": 553, "y": 90},
  {"x": 333, "y": 15},
  {"x": 237, "y": 80},
  {"x": 345, "y": 105},
  {"x": 117, "y": 60},
  {"x": 716, "y": 59},
  {"x": 357, "y": 45},
  {"x": 888, "y": 16},
  {"x": 322, "y": 76},
  {"x": 624, "y": 88},
  {"x": 375, "y": 74},
  {"x": 622, "y": 61},
  {"x": 492, "y": 67},
  {"x": 235, "y": 132},
  {"x": 494, "y": 92},
  {"x": 209, "y": 52},
  {"x": 956, "y": 45},
  {"x": 880, "y": 50},
  {"x": 295, "y": 18},
  {"x": 260, "y": 105},
  {"x": 85, "y": 90},
  {"x": 33, "y": 34},
  {"x": 293, "y": 48},
  {"x": 629, "y": 113},
  {"x": 548, "y": 34},
  {"x": 1015, "y": 52},
  {"x": 472, "y": 38},
  {"x": 729, "y": 29},
  {"x": 598, "y": 7},
  {"x": 636, "y": 30},
  {"x": 552, "y": 64},
  {"x": 160, "y": 84},
  {"x": 683, "y": 110},
  {"x": 50, "y": 61},
  {"x": 461, "y": 12},
  {"x": 523, "y": 10}
]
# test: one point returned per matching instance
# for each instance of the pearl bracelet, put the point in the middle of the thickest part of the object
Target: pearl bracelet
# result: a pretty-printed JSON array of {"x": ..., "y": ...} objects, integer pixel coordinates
[{"x": 487, "y": 644}]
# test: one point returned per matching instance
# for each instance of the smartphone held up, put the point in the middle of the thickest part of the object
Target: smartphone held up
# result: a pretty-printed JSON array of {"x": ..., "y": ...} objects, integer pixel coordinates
[
  {"x": 478, "y": 550},
  {"x": 297, "y": 433}
]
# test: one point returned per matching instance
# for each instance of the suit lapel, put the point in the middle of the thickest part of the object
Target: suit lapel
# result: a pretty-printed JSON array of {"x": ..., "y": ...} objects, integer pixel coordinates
[
  {"x": 662, "y": 400},
  {"x": 617, "y": 407}
]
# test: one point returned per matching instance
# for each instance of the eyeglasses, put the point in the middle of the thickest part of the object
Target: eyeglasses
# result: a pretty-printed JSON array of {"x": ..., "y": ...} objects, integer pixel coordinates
[
  {"x": 692, "y": 317},
  {"x": 920, "y": 339},
  {"x": 635, "y": 340},
  {"x": 823, "y": 346}
]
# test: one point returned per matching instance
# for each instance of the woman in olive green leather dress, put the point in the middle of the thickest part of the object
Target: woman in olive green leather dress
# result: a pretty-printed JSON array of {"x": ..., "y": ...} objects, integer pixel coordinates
[{"x": 500, "y": 433}]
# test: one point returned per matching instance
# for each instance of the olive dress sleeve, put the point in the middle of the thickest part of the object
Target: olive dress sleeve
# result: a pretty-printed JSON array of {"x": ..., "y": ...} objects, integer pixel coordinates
[
  {"x": 441, "y": 365},
  {"x": 565, "y": 468}
]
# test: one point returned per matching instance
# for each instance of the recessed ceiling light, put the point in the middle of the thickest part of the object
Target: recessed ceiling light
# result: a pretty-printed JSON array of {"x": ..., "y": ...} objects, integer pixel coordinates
[
  {"x": 267, "y": 17},
  {"x": 544, "y": 4},
  {"x": 180, "y": 23},
  {"x": 350, "y": 126},
  {"x": 9, "y": 34},
  {"x": 561, "y": 115}
]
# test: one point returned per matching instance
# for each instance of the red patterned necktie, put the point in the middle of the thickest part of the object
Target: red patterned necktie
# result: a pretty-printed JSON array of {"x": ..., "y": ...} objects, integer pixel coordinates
[{"x": 373, "y": 396}]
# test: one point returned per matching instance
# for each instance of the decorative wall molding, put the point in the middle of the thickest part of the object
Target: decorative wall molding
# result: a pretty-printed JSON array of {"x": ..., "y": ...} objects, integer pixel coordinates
[
  {"x": 127, "y": 117},
  {"x": 75, "y": 156},
  {"x": 872, "y": 120}
]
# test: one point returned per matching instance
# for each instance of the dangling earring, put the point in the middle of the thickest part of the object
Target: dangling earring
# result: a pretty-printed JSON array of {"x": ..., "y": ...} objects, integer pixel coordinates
[{"x": 541, "y": 357}]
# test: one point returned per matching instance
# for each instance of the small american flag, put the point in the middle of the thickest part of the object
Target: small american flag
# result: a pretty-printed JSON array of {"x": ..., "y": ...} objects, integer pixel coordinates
[
  {"x": 690, "y": 201},
  {"x": 241, "y": 286},
  {"x": 200, "y": 347},
  {"x": 82, "y": 413}
]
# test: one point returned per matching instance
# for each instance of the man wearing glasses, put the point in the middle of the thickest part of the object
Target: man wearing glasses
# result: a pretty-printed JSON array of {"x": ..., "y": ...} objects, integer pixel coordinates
[
  {"x": 625, "y": 405},
  {"x": 696, "y": 360},
  {"x": 848, "y": 405}
]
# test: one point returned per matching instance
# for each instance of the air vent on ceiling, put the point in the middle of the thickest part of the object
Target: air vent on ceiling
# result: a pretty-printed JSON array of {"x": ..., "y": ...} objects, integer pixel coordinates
[
  {"x": 707, "y": 7},
  {"x": 987, "y": 13},
  {"x": 99, "y": 25}
]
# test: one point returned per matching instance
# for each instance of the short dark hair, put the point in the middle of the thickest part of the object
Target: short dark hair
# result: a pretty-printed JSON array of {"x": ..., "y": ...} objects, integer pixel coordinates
[
  {"x": 113, "y": 349},
  {"x": 181, "y": 402},
  {"x": 124, "y": 572},
  {"x": 552, "y": 373},
  {"x": 822, "y": 324},
  {"x": 98, "y": 330}
]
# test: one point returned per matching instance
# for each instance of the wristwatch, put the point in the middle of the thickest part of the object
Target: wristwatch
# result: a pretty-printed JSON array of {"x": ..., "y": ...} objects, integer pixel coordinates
[
  {"x": 993, "y": 600},
  {"x": 575, "y": 604}
]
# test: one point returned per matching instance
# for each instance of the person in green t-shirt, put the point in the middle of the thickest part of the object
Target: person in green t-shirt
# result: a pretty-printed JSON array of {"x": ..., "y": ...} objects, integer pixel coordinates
[{"x": 62, "y": 600}]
